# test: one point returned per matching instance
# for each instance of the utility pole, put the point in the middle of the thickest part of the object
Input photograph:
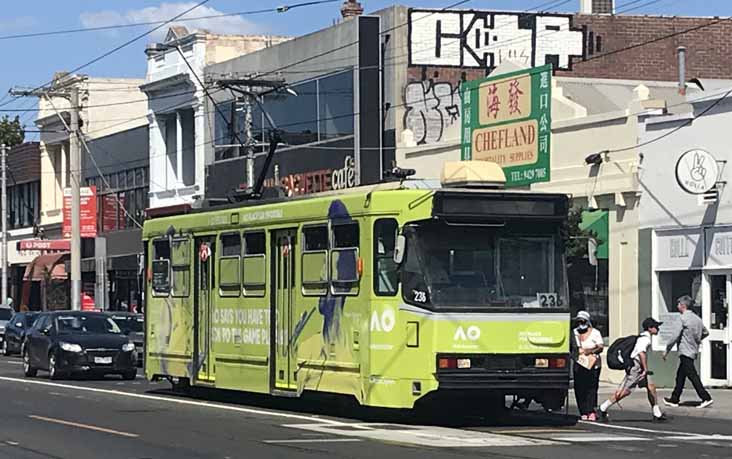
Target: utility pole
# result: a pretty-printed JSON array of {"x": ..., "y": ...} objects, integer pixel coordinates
[
  {"x": 249, "y": 139},
  {"x": 4, "y": 166},
  {"x": 67, "y": 87},
  {"x": 75, "y": 154}
]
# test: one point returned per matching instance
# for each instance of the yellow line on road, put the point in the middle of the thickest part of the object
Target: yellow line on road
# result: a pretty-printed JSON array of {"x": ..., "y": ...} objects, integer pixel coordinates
[{"x": 84, "y": 426}]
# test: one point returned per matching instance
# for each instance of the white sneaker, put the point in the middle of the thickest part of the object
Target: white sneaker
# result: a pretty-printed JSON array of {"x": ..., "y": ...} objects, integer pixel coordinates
[{"x": 705, "y": 403}]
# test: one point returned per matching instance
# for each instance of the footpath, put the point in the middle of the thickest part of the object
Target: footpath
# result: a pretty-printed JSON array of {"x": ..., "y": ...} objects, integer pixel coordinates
[{"x": 638, "y": 402}]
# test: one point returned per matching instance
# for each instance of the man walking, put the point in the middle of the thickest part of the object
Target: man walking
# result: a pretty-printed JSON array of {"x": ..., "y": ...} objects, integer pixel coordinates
[
  {"x": 688, "y": 335},
  {"x": 638, "y": 375}
]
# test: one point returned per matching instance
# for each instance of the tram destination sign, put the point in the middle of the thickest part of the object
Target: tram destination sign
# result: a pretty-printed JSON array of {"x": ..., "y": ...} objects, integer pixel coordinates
[{"x": 507, "y": 120}]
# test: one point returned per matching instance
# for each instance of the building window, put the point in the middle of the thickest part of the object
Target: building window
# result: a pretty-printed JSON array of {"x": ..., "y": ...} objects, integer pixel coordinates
[
  {"x": 321, "y": 110},
  {"x": 24, "y": 204},
  {"x": 122, "y": 198}
]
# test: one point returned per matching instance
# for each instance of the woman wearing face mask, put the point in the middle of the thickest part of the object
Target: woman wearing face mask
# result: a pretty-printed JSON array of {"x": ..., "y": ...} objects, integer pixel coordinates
[{"x": 587, "y": 365}]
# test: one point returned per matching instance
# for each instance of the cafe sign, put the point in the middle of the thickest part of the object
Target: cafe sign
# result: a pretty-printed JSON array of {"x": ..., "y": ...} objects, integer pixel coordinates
[
  {"x": 697, "y": 171},
  {"x": 507, "y": 120}
]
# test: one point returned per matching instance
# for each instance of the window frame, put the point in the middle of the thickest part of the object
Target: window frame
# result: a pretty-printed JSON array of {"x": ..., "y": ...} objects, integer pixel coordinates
[
  {"x": 309, "y": 289},
  {"x": 229, "y": 290},
  {"x": 181, "y": 267},
  {"x": 377, "y": 257},
  {"x": 160, "y": 293},
  {"x": 346, "y": 287},
  {"x": 253, "y": 290}
]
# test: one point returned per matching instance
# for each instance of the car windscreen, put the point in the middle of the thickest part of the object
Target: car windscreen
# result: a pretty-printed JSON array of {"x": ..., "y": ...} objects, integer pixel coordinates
[
  {"x": 6, "y": 313},
  {"x": 129, "y": 324},
  {"x": 79, "y": 324},
  {"x": 29, "y": 319}
]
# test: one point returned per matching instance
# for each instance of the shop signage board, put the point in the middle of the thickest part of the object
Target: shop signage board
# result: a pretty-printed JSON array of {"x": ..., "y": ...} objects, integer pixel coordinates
[
  {"x": 87, "y": 210},
  {"x": 507, "y": 120}
]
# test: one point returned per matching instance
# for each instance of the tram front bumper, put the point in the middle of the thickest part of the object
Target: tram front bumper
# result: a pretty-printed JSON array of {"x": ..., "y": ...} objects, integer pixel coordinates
[{"x": 503, "y": 372}]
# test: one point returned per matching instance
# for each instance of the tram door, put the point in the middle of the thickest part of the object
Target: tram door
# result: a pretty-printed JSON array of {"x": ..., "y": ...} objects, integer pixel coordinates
[
  {"x": 203, "y": 308},
  {"x": 283, "y": 265}
]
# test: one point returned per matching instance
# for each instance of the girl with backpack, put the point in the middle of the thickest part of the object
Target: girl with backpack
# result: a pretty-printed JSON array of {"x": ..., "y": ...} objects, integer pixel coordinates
[{"x": 587, "y": 365}]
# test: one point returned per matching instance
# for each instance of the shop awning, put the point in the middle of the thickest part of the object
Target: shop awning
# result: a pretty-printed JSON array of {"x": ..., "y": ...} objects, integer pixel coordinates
[
  {"x": 597, "y": 221},
  {"x": 44, "y": 265}
]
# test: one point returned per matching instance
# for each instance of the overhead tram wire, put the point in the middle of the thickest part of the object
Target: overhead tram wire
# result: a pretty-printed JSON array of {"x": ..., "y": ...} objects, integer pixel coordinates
[
  {"x": 123, "y": 45},
  {"x": 279, "y": 9}
]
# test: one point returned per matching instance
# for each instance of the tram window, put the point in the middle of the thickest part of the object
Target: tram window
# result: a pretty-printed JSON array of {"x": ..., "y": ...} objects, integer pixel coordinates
[
  {"x": 161, "y": 268},
  {"x": 344, "y": 258},
  {"x": 254, "y": 264},
  {"x": 315, "y": 260},
  {"x": 345, "y": 236},
  {"x": 229, "y": 262},
  {"x": 386, "y": 274},
  {"x": 315, "y": 238},
  {"x": 181, "y": 267}
]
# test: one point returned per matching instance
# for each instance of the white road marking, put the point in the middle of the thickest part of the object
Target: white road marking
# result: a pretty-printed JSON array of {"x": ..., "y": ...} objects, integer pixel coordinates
[
  {"x": 436, "y": 437},
  {"x": 700, "y": 437},
  {"x": 635, "y": 429},
  {"x": 314, "y": 440},
  {"x": 83, "y": 426},
  {"x": 12, "y": 443},
  {"x": 175, "y": 400},
  {"x": 12, "y": 362},
  {"x": 588, "y": 438}
]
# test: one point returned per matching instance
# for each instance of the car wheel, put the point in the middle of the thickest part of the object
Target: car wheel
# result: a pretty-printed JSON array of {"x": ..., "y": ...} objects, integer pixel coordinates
[
  {"x": 129, "y": 375},
  {"x": 53, "y": 372},
  {"x": 28, "y": 370}
]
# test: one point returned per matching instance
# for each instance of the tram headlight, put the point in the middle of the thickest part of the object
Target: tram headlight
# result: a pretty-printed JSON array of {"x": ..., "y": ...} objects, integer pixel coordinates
[{"x": 541, "y": 363}]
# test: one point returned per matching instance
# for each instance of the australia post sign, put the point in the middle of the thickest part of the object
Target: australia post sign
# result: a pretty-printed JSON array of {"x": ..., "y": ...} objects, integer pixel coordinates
[
  {"x": 507, "y": 120},
  {"x": 87, "y": 210}
]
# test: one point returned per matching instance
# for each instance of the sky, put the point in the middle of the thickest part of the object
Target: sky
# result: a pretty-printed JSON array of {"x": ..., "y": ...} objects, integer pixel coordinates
[{"x": 32, "y": 61}]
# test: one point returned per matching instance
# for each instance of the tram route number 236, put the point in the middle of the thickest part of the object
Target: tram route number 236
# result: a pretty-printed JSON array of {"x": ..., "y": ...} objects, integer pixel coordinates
[{"x": 549, "y": 300}]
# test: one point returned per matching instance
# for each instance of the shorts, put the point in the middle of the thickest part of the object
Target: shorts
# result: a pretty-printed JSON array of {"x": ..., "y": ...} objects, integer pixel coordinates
[{"x": 634, "y": 377}]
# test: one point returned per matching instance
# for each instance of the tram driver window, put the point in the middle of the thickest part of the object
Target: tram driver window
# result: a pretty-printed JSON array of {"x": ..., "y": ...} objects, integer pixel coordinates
[
  {"x": 386, "y": 274},
  {"x": 229, "y": 262},
  {"x": 161, "y": 268}
]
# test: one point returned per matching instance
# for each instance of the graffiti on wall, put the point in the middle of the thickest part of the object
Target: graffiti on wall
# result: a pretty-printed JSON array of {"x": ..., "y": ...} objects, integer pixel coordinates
[
  {"x": 431, "y": 108},
  {"x": 483, "y": 39}
]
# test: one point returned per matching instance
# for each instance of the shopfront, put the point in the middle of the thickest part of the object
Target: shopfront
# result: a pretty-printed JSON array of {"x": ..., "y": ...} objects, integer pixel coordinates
[{"x": 696, "y": 262}]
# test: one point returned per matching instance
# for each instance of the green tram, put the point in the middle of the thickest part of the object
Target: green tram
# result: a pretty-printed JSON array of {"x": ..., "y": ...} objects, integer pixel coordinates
[{"x": 389, "y": 293}]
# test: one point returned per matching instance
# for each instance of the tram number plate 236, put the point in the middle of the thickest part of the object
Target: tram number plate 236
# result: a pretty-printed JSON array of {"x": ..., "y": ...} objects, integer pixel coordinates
[{"x": 548, "y": 300}]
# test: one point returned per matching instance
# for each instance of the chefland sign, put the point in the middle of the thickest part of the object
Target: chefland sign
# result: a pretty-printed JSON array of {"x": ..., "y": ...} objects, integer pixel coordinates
[{"x": 507, "y": 120}]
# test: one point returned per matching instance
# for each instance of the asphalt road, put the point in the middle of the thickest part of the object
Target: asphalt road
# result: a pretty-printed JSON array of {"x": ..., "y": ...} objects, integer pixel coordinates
[{"x": 112, "y": 418}]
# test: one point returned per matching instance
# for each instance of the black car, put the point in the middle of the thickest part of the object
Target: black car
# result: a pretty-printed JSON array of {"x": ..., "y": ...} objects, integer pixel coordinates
[
  {"x": 132, "y": 325},
  {"x": 6, "y": 314},
  {"x": 15, "y": 332},
  {"x": 68, "y": 342}
]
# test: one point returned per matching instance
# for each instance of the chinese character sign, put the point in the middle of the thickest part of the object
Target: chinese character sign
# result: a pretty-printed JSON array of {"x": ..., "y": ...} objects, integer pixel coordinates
[{"x": 507, "y": 120}]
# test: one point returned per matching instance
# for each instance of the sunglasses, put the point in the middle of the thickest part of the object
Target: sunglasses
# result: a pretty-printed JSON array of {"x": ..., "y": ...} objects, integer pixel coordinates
[{"x": 582, "y": 321}]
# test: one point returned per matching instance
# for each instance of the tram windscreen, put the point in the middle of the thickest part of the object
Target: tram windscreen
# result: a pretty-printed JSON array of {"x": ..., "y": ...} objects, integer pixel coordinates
[{"x": 457, "y": 266}]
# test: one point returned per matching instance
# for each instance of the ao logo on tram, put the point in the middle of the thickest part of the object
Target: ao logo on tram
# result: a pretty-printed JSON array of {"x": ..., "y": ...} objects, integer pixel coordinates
[{"x": 393, "y": 294}]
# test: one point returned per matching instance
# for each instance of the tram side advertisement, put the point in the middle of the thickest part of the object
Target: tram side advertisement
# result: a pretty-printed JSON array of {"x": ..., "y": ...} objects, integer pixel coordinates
[{"x": 507, "y": 120}]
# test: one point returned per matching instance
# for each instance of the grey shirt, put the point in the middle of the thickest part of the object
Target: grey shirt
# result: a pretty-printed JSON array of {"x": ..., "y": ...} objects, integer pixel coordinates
[{"x": 688, "y": 335}]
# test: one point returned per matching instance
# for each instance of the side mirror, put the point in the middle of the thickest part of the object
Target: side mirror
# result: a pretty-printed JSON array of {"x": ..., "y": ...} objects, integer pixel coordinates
[
  {"x": 46, "y": 331},
  {"x": 19, "y": 324},
  {"x": 401, "y": 243}
]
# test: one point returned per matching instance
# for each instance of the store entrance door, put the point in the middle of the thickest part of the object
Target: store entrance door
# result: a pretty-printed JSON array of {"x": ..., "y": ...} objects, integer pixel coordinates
[{"x": 717, "y": 348}]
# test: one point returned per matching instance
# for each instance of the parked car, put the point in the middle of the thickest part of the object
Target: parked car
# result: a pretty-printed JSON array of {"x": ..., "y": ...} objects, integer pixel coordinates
[
  {"x": 132, "y": 325},
  {"x": 15, "y": 332},
  {"x": 6, "y": 314},
  {"x": 68, "y": 342}
]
